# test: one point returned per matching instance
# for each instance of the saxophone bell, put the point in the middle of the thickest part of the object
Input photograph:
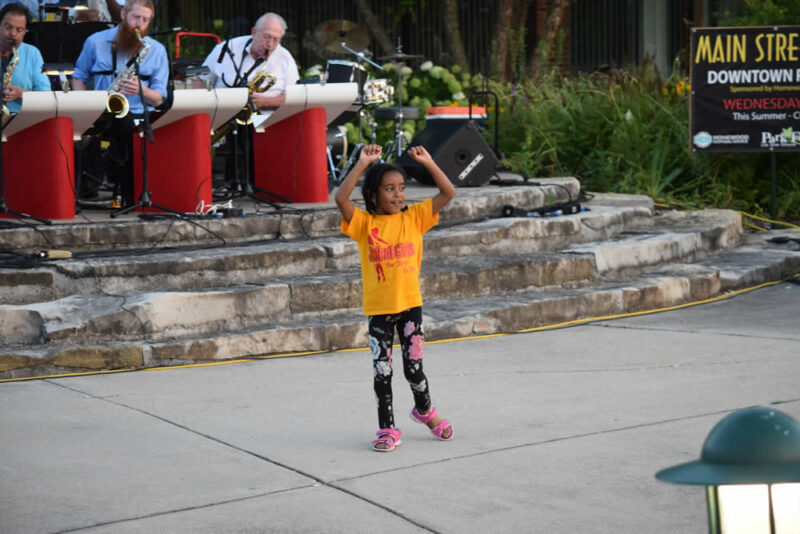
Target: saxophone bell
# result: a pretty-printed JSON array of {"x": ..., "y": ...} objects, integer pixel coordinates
[
  {"x": 117, "y": 104},
  {"x": 258, "y": 83}
]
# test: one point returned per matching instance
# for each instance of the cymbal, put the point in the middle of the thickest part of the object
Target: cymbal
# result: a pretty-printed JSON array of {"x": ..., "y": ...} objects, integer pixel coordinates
[
  {"x": 331, "y": 33},
  {"x": 399, "y": 56}
]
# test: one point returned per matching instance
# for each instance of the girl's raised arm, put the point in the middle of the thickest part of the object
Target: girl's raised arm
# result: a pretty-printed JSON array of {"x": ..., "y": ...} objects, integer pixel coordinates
[
  {"x": 446, "y": 188},
  {"x": 369, "y": 153}
]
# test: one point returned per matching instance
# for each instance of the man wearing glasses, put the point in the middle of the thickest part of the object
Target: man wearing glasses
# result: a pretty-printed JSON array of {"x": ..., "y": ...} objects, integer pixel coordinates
[
  {"x": 27, "y": 70},
  {"x": 233, "y": 62}
]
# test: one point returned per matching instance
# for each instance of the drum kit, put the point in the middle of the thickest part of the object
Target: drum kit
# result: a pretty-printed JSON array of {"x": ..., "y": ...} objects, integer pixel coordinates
[{"x": 345, "y": 36}]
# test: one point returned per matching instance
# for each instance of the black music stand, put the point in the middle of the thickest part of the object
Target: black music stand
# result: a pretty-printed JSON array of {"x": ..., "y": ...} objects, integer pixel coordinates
[{"x": 144, "y": 198}]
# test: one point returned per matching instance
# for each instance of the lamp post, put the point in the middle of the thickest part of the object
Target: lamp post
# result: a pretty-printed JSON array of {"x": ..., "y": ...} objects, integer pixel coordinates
[{"x": 750, "y": 465}]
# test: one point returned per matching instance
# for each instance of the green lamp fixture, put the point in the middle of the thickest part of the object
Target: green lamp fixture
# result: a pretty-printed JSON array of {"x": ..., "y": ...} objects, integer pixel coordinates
[{"x": 750, "y": 465}]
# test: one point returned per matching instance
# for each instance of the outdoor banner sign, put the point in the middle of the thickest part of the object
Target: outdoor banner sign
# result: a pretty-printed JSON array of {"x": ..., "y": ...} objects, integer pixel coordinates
[{"x": 745, "y": 89}]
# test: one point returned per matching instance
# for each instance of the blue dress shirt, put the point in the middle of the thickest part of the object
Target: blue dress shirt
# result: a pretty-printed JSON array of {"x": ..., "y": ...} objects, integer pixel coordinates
[
  {"x": 28, "y": 74},
  {"x": 96, "y": 57}
]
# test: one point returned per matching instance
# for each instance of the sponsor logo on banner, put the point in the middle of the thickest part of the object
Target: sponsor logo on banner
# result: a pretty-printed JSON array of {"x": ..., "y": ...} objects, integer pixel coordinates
[{"x": 703, "y": 139}]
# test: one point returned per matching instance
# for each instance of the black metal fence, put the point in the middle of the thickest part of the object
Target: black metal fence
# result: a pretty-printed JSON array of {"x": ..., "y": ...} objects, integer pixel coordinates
[{"x": 416, "y": 26}]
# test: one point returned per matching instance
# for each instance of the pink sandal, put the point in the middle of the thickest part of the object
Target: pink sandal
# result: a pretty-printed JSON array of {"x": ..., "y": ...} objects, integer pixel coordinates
[
  {"x": 425, "y": 419},
  {"x": 387, "y": 436}
]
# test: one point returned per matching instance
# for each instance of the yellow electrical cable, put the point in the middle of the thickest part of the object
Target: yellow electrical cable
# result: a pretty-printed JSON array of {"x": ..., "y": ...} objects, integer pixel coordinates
[
  {"x": 565, "y": 324},
  {"x": 755, "y": 227},
  {"x": 764, "y": 219}
]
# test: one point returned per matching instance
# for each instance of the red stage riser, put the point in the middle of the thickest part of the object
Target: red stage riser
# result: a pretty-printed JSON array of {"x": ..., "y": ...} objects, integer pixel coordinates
[
  {"x": 39, "y": 170},
  {"x": 179, "y": 164},
  {"x": 290, "y": 157}
]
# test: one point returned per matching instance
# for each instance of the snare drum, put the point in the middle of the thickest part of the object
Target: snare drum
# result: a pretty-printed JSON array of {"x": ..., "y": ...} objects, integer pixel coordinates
[{"x": 378, "y": 91}]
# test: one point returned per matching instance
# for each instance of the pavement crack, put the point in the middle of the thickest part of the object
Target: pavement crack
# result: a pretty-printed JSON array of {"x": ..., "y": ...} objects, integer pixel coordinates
[
  {"x": 690, "y": 331},
  {"x": 186, "y": 509},
  {"x": 558, "y": 440},
  {"x": 317, "y": 481}
]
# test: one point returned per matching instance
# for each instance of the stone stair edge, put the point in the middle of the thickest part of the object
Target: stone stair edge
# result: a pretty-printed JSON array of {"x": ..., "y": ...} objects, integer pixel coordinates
[
  {"x": 121, "y": 273},
  {"x": 477, "y": 316},
  {"x": 323, "y": 291},
  {"x": 532, "y": 270},
  {"x": 666, "y": 285},
  {"x": 290, "y": 222}
]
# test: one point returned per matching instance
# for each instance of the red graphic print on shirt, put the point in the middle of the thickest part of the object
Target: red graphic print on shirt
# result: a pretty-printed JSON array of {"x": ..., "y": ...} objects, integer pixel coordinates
[{"x": 383, "y": 251}]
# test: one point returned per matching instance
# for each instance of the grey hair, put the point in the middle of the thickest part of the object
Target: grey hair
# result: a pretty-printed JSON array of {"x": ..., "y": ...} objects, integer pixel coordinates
[{"x": 266, "y": 16}]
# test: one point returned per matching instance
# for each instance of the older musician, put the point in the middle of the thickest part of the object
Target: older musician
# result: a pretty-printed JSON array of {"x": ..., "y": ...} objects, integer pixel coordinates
[
  {"x": 27, "y": 68},
  {"x": 234, "y": 61},
  {"x": 107, "y": 57}
]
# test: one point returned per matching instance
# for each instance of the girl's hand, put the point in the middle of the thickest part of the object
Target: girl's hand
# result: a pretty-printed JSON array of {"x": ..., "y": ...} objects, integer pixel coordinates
[
  {"x": 420, "y": 155},
  {"x": 370, "y": 153}
]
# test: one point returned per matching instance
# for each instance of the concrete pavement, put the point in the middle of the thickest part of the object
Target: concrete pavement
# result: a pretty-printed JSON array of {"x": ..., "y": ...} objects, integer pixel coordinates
[{"x": 557, "y": 431}]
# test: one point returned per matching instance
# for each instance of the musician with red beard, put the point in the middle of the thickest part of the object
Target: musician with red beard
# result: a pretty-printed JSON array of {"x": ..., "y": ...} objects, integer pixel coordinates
[{"x": 104, "y": 56}]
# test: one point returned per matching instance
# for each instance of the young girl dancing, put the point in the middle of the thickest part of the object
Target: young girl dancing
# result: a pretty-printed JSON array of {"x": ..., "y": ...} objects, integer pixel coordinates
[{"x": 389, "y": 237}]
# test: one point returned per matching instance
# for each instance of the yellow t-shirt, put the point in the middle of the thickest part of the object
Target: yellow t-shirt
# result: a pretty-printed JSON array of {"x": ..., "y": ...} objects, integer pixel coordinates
[{"x": 391, "y": 254}]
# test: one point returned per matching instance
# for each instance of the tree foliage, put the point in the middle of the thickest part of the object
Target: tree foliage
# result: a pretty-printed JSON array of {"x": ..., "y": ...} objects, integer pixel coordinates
[{"x": 761, "y": 13}]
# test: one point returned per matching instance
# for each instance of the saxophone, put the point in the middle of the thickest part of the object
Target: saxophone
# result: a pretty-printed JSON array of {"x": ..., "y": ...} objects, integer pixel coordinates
[
  {"x": 9, "y": 73},
  {"x": 258, "y": 83},
  {"x": 117, "y": 103}
]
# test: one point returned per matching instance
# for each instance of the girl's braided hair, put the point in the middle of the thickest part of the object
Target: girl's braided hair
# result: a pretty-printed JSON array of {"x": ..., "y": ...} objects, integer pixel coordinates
[{"x": 372, "y": 183}]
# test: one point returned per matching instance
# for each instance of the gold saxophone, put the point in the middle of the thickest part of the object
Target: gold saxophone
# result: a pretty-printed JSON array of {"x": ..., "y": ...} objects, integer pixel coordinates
[
  {"x": 117, "y": 103},
  {"x": 258, "y": 83},
  {"x": 9, "y": 73}
]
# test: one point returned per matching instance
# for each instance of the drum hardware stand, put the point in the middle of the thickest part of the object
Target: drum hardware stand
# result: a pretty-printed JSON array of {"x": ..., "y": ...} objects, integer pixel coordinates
[
  {"x": 147, "y": 130},
  {"x": 394, "y": 149},
  {"x": 356, "y": 152},
  {"x": 246, "y": 189},
  {"x": 3, "y": 201}
]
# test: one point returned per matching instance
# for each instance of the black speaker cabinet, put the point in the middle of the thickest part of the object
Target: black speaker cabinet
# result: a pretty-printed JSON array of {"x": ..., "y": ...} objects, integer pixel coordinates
[{"x": 458, "y": 148}]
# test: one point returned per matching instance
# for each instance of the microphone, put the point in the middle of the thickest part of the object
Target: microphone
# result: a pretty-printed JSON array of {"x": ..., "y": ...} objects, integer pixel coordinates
[
  {"x": 222, "y": 52},
  {"x": 167, "y": 30},
  {"x": 133, "y": 59}
]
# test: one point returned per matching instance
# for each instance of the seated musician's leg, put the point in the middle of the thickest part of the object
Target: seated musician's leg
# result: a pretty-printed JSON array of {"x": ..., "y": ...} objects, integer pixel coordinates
[{"x": 120, "y": 160}]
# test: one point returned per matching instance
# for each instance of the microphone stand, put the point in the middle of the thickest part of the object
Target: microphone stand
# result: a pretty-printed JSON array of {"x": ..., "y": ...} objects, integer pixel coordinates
[
  {"x": 247, "y": 189},
  {"x": 3, "y": 202},
  {"x": 144, "y": 197}
]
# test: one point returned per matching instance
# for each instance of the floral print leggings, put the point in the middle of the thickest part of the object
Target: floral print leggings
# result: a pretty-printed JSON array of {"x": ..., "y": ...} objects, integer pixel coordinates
[{"x": 381, "y": 336}]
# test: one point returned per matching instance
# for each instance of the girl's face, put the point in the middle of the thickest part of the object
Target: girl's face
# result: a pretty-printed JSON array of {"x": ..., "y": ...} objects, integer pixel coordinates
[{"x": 391, "y": 196}]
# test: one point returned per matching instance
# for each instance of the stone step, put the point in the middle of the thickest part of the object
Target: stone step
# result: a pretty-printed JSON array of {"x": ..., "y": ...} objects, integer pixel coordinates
[
  {"x": 653, "y": 288},
  {"x": 444, "y": 318},
  {"x": 188, "y": 269},
  {"x": 289, "y": 222},
  {"x": 163, "y": 315}
]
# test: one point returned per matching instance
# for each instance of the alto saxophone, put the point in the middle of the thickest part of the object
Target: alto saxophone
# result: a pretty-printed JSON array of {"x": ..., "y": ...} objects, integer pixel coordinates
[
  {"x": 258, "y": 83},
  {"x": 9, "y": 73},
  {"x": 117, "y": 103}
]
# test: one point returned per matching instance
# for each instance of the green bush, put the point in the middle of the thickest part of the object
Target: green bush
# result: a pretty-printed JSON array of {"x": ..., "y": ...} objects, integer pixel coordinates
[
  {"x": 625, "y": 131},
  {"x": 628, "y": 132},
  {"x": 428, "y": 85}
]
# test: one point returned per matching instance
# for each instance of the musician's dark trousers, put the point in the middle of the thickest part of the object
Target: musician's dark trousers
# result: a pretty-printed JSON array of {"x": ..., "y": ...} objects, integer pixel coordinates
[
  {"x": 239, "y": 172},
  {"x": 120, "y": 157}
]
